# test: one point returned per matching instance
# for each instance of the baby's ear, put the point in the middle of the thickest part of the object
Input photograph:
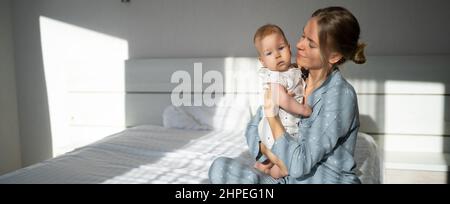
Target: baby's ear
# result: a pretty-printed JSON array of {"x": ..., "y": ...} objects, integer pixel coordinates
[{"x": 261, "y": 61}]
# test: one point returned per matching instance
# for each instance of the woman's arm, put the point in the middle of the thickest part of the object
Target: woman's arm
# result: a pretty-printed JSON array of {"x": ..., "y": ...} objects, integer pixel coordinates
[
  {"x": 252, "y": 136},
  {"x": 318, "y": 139}
]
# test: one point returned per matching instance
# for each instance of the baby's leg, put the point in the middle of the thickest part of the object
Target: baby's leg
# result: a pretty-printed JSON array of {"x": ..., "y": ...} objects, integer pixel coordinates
[{"x": 277, "y": 162}]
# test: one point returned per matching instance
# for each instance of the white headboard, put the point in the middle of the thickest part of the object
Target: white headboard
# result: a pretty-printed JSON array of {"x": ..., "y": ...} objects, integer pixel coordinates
[
  {"x": 149, "y": 87},
  {"x": 399, "y": 96}
]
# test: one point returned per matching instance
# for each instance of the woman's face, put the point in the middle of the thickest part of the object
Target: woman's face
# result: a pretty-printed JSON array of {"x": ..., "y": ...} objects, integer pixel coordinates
[{"x": 308, "y": 47}]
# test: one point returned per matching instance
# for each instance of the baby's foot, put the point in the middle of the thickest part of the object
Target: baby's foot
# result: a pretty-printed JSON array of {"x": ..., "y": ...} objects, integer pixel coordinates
[
  {"x": 276, "y": 172},
  {"x": 263, "y": 167}
]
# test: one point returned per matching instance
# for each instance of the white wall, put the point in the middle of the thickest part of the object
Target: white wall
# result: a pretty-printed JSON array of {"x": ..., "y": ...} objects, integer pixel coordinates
[
  {"x": 9, "y": 130},
  {"x": 203, "y": 28}
]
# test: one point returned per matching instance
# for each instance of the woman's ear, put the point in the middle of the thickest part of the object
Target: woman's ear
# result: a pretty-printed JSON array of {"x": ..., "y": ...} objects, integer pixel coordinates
[{"x": 334, "y": 58}]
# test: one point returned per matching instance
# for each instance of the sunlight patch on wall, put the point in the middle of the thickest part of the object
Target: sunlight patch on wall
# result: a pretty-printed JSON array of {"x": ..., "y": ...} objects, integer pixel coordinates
[
  {"x": 414, "y": 107},
  {"x": 241, "y": 78},
  {"x": 414, "y": 87},
  {"x": 84, "y": 73}
]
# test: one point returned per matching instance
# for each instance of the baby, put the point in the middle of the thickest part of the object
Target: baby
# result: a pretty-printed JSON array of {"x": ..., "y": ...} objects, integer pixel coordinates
[{"x": 287, "y": 87}]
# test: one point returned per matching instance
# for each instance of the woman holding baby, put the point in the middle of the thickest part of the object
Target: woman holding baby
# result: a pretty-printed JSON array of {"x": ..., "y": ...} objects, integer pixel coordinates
[{"x": 322, "y": 151}]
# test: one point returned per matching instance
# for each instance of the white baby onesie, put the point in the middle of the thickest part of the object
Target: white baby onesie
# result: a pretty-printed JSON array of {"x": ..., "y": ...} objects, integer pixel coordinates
[{"x": 293, "y": 82}]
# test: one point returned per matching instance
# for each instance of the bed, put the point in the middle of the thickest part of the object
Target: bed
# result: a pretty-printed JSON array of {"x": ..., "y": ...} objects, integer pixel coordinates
[
  {"x": 154, "y": 154},
  {"x": 171, "y": 144}
]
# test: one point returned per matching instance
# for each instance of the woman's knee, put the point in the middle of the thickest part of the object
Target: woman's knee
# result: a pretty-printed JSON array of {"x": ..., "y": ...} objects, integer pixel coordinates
[
  {"x": 220, "y": 162},
  {"x": 218, "y": 169}
]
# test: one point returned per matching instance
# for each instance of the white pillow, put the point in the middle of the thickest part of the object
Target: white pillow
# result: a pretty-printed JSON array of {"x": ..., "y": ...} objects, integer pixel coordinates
[
  {"x": 232, "y": 113},
  {"x": 176, "y": 117}
]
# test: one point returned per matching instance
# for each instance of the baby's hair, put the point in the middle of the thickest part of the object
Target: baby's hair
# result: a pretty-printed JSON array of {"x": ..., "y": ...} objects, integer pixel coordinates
[{"x": 265, "y": 31}]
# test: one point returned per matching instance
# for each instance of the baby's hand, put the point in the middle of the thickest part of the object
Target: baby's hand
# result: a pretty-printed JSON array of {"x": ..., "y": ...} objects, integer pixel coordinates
[
  {"x": 306, "y": 110},
  {"x": 291, "y": 94}
]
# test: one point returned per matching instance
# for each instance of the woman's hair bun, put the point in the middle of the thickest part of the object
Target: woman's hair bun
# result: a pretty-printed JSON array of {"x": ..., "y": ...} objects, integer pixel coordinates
[{"x": 359, "y": 56}]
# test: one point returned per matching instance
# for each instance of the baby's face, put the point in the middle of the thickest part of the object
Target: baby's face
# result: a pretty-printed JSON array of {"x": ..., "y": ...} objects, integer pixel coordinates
[{"x": 275, "y": 53}]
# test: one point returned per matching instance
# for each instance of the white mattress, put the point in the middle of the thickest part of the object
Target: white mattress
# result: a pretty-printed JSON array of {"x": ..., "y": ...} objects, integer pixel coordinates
[{"x": 153, "y": 154}]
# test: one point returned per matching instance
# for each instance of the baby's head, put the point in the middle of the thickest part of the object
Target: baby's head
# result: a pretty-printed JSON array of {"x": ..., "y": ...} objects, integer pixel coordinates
[{"x": 273, "y": 49}]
